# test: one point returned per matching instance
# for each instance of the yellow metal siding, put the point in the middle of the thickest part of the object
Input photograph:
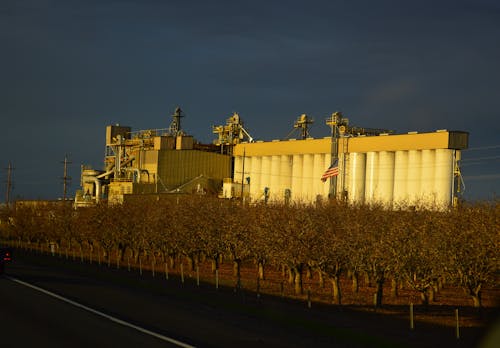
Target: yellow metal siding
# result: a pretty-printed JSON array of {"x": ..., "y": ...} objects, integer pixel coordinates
[
  {"x": 419, "y": 141},
  {"x": 290, "y": 147},
  {"x": 178, "y": 167}
]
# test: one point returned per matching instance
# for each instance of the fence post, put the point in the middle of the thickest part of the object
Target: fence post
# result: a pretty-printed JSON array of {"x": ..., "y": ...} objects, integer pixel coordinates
[
  {"x": 166, "y": 270},
  {"x": 182, "y": 273},
  {"x": 411, "y": 317},
  {"x": 258, "y": 286},
  {"x": 217, "y": 279},
  {"x": 457, "y": 331},
  {"x": 308, "y": 298},
  {"x": 197, "y": 275}
]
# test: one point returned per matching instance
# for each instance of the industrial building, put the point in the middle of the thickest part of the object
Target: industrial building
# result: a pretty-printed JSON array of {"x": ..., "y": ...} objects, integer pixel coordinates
[{"x": 373, "y": 166}]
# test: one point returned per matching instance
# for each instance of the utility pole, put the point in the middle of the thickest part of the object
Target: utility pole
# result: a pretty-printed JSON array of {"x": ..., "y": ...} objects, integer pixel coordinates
[
  {"x": 9, "y": 184},
  {"x": 66, "y": 179}
]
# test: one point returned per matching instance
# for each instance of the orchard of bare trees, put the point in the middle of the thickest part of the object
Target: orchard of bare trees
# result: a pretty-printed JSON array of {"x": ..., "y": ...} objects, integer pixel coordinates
[{"x": 420, "y": 250}]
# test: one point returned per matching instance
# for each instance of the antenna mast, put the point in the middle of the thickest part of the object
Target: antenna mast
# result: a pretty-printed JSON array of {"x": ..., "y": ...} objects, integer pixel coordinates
[
  {"x": 66, "y": 179},
  {"x": 9, "y": 184}
]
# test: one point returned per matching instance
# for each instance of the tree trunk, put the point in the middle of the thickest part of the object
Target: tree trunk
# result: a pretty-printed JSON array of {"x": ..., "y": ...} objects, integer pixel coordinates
[
  {"x": 432, "y": 293},
  {"x": 171, "y": 259},
  {"x": 291, "y": 275},
  {"x": 337, "y": 294},
  {"x": 261, "y": 270},
  {"x": 475, "y": 294},
  {"x": 368, "y": 280},
  {"x": 377, "y": 300},
  {"x": 394, "y": 288},
  {"x": 424, "y": 296},
  {"x": 309, "y": 272},
  {"x": 355, "y": 282},
  {"x": 215, "y": 263},
  {"x": 237, "y": 272},
  {"x": 299, "y": 290},
  {"x": 321, "y": 279},
  {"x": 191, "y": 263}
]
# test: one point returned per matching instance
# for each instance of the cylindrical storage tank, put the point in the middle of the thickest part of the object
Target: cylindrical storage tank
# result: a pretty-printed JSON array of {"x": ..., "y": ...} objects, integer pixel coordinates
[
  {"x": 427, "y": 177},
  {"x": 307, "y": 176},
  {"x": 443, "y": 180},
  {"x": 400, "y": 195},
  {"x": 255, "y": 176},
  {"x": 275, "y": 177},
  {"x": 238, "y": 168},
  {"x": 297, "y": 177},
  {"x": 247, "y": 164},
  {"x": 371, "y": 177},
  {"x": 265, "y": 179},
  {"x": 356, "y": 182},
  {"x": 285, "y": 174},
  {"x": 318, "y": 169},
  {"x": 413, "y": 182},
  {"x": 385, "y": 177}
]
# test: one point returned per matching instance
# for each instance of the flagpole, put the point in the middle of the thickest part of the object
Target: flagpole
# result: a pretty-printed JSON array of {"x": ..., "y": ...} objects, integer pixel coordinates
[{"x": 333, "y": 122}]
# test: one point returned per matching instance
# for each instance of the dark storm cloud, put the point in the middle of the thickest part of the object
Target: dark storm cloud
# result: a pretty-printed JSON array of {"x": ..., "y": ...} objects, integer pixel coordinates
[{"x": 71, "y": 67}]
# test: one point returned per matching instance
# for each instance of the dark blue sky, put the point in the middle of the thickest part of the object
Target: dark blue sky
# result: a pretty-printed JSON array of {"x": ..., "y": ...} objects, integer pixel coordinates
[{"x": 69, "y": 68}]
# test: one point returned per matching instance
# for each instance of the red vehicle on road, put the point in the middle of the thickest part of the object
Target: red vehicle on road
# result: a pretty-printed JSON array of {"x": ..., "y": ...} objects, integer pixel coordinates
[{"x": 5, "y": 256}]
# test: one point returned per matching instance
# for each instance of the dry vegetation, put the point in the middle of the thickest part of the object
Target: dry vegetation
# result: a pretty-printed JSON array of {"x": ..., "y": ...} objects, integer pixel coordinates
[{"x": 342, "y": 254}]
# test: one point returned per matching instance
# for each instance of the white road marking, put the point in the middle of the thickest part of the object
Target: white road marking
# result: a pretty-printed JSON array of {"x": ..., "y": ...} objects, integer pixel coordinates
[{"x": 109, "y": 317}]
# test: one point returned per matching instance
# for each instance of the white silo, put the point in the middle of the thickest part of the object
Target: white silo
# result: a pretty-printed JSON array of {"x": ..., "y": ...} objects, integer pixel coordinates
[
  {"x": 443, "y": 180},
  {"x": 255, "y": 187},
  {"x": 238, "y": 167},
  {"x": 371, "y": 177},
  {"x": 285, "y": 174},
  {"x": 427, "y": 177},
  {"x": 307, "y": 174},
  {"x": 265, "y": 179},
  {"x": 357, "y": 172},
  {"x": 275, "y": 177},
  {"x": 385, "y": 177},
  {"x": 400, "y": 195},
  {"x": 297, "y": 177},
  {"x": 413, "y": 183}
]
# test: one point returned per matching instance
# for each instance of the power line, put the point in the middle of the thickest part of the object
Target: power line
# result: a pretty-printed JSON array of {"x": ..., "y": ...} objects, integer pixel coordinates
[{"x": 489, "y": 147}]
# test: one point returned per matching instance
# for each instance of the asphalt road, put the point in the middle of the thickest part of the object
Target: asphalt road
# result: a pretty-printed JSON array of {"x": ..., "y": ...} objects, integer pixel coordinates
[{"x": 200, "y": 317}]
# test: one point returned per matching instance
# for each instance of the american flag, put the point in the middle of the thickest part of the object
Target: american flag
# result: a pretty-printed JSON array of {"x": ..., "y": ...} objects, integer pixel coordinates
[{"x": 333, "y": 170}]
